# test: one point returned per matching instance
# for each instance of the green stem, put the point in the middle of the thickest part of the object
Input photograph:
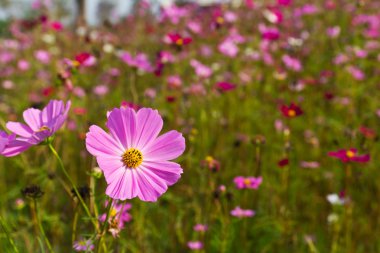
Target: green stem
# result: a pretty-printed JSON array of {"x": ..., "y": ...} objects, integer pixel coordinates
[
  {"x": 10, "y": 240},
  {"x": 41, "y": 227},
  {"x": 109, "y": 206},
  {"x": 94, "y": 222},
  {"x": 75, "y": 222}
]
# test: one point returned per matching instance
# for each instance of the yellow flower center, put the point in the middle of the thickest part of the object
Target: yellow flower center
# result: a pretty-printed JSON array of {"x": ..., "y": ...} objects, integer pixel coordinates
[
  {"x": 292, "y": 113},
  {"x": 350, "y": 154},
  {"x": 43, "y": 128},
  {"x": 132, "y": 158},
  {"x": 75, "y": 63},
  {"x": 179, "y": 42},
  {"x": 113, "y": 212},
  {"x": 247, "y": 181},
  {"x": 220, "y": 20}
]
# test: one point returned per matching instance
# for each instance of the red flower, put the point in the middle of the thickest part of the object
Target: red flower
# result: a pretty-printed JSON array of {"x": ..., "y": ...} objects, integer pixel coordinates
[
  {"x": 367, "y": 132},
  {"x": 291, "y": 111},
  {"x": 178, "y": 40},
  {"x": 349, "y": 155},
  {"x": 283, "y": 162}
]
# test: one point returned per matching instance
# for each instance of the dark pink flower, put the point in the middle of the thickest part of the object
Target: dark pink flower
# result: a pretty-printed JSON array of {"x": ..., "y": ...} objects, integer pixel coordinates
[
  {"x": 349, "y": 155},
  {"x": 291, "y": 111},
  {"x": 225, "y": 86}
]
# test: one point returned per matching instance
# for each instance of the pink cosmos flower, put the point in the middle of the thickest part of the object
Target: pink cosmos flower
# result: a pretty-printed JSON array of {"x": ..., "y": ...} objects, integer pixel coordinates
[
  {"x": 247, "y": 182},
  {"x": 140, "y": 61},
  {"x": 134, "y": 159},
  {"x": 292, "y": 63},
  {"x": 356, "y": 73},
  {"x": 333, "y": 32},
  {"x": 200, "y": 228},
  {"x": 228, "y": 48},
  {"x": 241, "y": 213},
  {"x": 195, "y": 245},
  {"x": 119, "y": 215},
  {"x": 349, "y": 155},
  {"x": 83, "y": 245},
  {"x": 23, "y": 65},
  {"x": 9, "y": 146},
  {"x": 42, "y": 56},
  {"x": 39, "y": 124},
  {"x": 200, "y": 69}
]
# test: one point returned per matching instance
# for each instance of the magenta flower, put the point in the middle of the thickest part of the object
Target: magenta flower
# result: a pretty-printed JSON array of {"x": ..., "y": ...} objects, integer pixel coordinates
[
  {"x": 135, "y": 161},
  {"x": 349, "y": 155},
  {"x": 225, "y": 86},
  {"x": 241, "y": 213},
  {"x": 39, "y": 124},
  {"x": 247, "y": 182}
]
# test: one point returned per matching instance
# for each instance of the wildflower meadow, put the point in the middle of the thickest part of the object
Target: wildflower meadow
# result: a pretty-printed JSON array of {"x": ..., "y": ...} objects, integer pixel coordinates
[{"x": 233, "y": 126}]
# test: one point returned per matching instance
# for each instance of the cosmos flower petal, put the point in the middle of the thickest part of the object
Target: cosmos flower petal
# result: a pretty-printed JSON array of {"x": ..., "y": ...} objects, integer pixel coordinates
[
  {"x": 60, "y": 120},
  {"x": 154, "y": 180},
  {"x": 109, "y": 163},
  {"x": 122, "y": 125},
  {"x": 51, "y": 111},
  {"x": 99, "y": 143},
  {"x": 19, "y": 129},
  {"x": 170, "y": 172},
  {"x": 115, "y": 186},
  {"x": 149, "y": 125},
  {"x": 32, "y": 117},
  {"x": 147, "y": 191},
  {"x": 15, "y": 147},
  {"x": 166, "y": 147}
]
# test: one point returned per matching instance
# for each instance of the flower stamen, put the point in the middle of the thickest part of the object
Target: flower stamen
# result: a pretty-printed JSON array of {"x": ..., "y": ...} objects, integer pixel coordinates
[{"x": 132, "y": 158}]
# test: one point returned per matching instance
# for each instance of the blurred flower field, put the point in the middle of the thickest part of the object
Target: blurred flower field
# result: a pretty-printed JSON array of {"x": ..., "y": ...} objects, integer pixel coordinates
[{"x": 220, "y": 128}]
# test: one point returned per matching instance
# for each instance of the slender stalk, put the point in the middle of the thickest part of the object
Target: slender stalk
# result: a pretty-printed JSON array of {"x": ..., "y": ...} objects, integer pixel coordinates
[
  {"x": 41, "y": 227},
  {"x": 10, "y": 240},
  {"x": 75, "y": 223},
  {"x": 132, "y": 86},
  {"x": 108, "y": 210},
  {"x": 94, "y": 222}
]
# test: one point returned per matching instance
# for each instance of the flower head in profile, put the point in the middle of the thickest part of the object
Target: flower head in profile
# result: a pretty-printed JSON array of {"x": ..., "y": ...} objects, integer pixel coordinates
[
  {"x": 349, "y": 155},
  {"x": 119, "y": 215},
  {"x": 39, "y": 124},
  {"x": 242, "y": 213},
  {"x": 291, "y": 111},
  {"x": 134, "y": 159},
  {"x": 247, "y": 182}
]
